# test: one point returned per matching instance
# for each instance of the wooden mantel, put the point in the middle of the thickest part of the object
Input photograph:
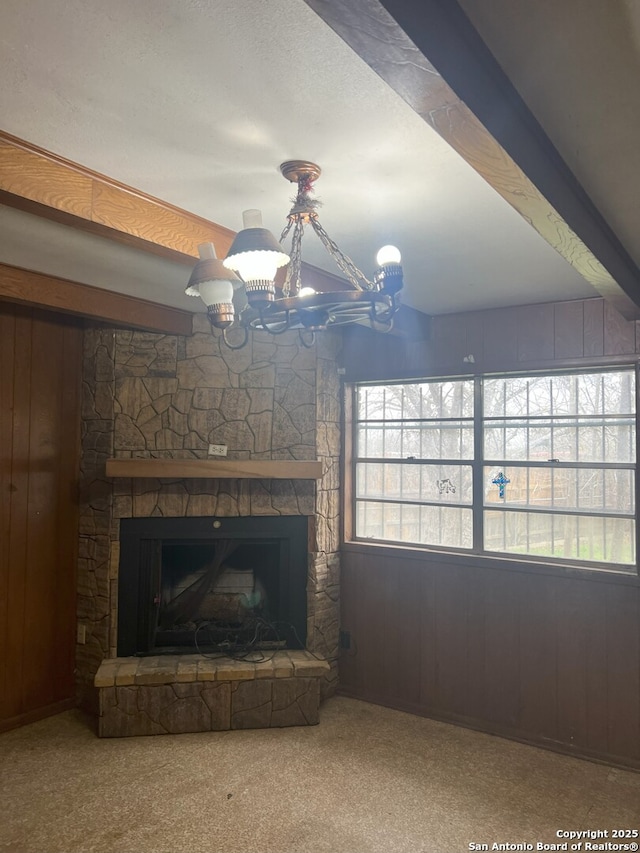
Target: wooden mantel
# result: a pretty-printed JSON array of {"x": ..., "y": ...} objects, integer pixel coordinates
[{"x": 213, "y": 469}]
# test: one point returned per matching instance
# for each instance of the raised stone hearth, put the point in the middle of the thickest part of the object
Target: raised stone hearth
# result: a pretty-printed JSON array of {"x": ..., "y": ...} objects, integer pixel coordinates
[{"x": 193, "y": 693}]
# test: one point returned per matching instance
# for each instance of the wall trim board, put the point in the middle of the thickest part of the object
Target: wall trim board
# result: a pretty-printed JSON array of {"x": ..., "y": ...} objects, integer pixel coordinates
[
  {"x": 71, "y": 297},
  {"x": 38, "y": 714},
  {"x": 67, "y": 192}
]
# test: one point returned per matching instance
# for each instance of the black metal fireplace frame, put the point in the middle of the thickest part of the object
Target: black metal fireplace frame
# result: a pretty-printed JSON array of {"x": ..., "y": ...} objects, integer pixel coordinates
[{"x": 141, "y": 538}]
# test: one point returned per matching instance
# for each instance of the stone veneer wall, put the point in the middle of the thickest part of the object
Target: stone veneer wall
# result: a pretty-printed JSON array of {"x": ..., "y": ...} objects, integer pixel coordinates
[{"x": 153, "y": 395}]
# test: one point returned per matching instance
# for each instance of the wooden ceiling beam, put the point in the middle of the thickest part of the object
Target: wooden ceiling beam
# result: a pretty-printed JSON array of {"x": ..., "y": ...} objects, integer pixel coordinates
[
  {"x": 40, "y": 182},
  {"x": 71, "y": 297},
  {"x": 468, "y": 100},
  {"x": 44, "y": 184}
]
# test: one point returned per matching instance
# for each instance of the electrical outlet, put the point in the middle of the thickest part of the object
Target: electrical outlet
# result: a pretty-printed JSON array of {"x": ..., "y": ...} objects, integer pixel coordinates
[
  {"x": 217, "y": 450},
  {"x": 81, "y": 636}
]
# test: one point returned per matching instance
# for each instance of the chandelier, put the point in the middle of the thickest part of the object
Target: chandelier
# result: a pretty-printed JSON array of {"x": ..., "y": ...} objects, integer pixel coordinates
[{"x": 277, "y": 302}]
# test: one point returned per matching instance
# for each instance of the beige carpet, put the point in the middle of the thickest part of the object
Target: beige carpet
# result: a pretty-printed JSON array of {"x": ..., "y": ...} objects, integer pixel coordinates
[{"x": 366, "y": 779}]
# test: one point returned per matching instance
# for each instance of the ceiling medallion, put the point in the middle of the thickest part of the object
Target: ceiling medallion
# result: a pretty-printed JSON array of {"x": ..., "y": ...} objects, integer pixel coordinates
[{"x": 277, "y": 305}]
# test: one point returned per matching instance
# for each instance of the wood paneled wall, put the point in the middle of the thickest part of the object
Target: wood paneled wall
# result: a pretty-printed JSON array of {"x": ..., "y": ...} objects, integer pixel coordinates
[
  {"x": 40, "y": 370},
  {"x": 547, "y": 655},
  {"x": 552, "y": 334},
  {"x": 553, "y": 659},
  {"x": 546, "y": 336}
]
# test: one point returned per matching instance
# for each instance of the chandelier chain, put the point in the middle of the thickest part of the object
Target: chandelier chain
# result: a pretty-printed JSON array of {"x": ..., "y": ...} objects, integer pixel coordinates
[
  {"x": 355, "y": 276},
  {"x": 303, "y": 211},
  {"x": 295, "y": 266},
  {"x": 286, "y": 287},
  {"x": 285, "y": 230},
  {"x": 291, "y": 285}
]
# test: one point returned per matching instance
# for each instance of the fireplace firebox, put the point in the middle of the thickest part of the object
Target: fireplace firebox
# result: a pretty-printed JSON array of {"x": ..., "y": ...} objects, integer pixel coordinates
[{"x": 210, "y": 584}]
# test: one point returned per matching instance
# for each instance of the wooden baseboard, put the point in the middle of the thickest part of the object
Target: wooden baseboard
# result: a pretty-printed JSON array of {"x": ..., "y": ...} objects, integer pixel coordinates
[
  {"x": 37, "y": 714},
  {"x": 487, "y": 727}
]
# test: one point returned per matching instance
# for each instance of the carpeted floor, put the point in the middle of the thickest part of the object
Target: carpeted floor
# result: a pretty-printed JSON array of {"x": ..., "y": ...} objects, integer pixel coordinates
[{"x": 366, "y": 779}]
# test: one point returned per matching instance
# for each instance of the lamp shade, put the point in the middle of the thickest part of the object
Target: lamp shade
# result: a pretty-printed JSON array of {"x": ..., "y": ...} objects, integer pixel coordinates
[
  {"x": 214, "y": 284},
  {"x": 256, "y": 255},
  {"x": 210, "y": 270}
]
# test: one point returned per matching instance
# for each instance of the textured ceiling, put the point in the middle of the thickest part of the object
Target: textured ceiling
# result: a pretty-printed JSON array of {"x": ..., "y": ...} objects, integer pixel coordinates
[{"x": 198, "y": 101}]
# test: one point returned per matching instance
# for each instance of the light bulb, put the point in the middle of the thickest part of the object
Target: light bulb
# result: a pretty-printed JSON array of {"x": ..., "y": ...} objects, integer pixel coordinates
[
  {"x": 388, "y": 255},
  {"x": 216, "y": 292},
  {"x": 307, "y": 291}
]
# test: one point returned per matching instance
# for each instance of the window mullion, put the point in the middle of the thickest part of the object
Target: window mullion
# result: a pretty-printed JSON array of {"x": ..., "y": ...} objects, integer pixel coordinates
[{"x": 478, "y": 466}]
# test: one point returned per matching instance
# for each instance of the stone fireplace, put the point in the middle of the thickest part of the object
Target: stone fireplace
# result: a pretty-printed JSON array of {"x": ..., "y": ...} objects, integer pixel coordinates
[{"x": 154, "y": 396}]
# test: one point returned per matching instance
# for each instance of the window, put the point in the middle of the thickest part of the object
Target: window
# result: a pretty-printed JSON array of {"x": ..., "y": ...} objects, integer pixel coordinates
[{"x": 533, "y": 466}]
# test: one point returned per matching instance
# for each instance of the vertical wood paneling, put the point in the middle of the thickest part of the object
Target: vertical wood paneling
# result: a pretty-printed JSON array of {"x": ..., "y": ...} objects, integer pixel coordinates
[
  {"x": 593, "y": 327},
  {"x": 41, "y": 557},
  {"x": 500, "y": 337},
  {"x": 551, "y": 658},
  {"x": 594, "y": 654},
  {"x": 19, "y": 532},
  {"x": 351, "y": 675},
  {"x": 577, "y": 612},
  {"x": 623, "y": 672},
  {"x": 568, "y": 326},
  {"x": 535, "y": 332},
  {"x": 39, "y": 394},
  {"x": 371, "y": 644},
  {"x": 501, "y": 653},
  {"x": 7, "y": 345},
  {"x": 366, "y": 352},
  {"x": 475, "y": 337},
  {"x": 538, "y": 651},
  {"x": 391, "y": 602},
  {"x": 427, "y": 651},
  {"x": 449, "y": 341},
  {"x": 479, "y": 689},
  {"x": 67, "y": 520},
  {"x": 619, "y": 334},
  {"x": 451, "y": 641},
  {"x": 402, "y": 631}
]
